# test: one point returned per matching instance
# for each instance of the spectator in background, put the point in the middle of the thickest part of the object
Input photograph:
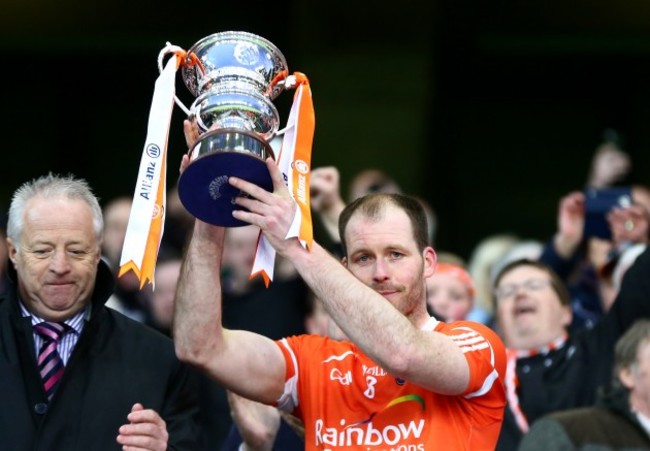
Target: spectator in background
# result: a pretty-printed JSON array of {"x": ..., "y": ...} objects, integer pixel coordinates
[
  {"x": 372, "y": 180},
  {"x": 450, "y": 257},
  {"x": 78, "y": 376},
  {"x": 450, "y": 292},
  {"x": 116, "y": 220},
  {"x": 621, "y": 417},
  {"x": 548, "y": 368},
  {"x": 161, "y": 306},
  {"x": 522, "y": 249},
  {"x": 485, "y": 256},
  {"x": 582, "y": 258},
  {"x": 584, "y": 262},
  {"x": 128, "y": 298}
]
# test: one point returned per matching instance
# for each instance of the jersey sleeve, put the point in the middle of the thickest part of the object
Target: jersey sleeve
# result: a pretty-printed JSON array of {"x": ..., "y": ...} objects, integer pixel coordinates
[
  {"x": 289, "y": 401},
  {"x": 485, "y": 354},
  {"x": 299, "y": 353}
]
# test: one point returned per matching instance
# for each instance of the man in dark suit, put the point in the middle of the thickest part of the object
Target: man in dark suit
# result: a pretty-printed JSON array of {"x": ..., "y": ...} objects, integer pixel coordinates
[{"x": 76, "y": 375}]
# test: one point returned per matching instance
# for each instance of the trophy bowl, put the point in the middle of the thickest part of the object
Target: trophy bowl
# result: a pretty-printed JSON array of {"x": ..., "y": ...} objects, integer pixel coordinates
[{"x": 234, "y": 76}]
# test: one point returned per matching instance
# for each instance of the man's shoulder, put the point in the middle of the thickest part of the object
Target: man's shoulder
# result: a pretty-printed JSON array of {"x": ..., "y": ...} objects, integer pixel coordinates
[
  {"x": 585, "y": 418},
  {"x": 319, "y": 347},
  {"x": 459, "y": 327},
  {"x": 316, "y": 341},
  {"x": 583, "y": 427},
  {"x": 477, "y": 339}
]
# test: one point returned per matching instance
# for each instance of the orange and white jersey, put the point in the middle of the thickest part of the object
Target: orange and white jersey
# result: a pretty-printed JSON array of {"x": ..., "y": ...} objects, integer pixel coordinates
[{"x": 347, "y": 402}]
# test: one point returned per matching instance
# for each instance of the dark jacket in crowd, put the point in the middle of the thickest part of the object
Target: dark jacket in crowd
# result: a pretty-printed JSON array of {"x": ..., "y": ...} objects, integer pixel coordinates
[
  {"x": 571, "y": 376},
  {"x": 116, "y": 363},
  {"x": 581, "y": 279},
  {"x": 608, "y": 426}
]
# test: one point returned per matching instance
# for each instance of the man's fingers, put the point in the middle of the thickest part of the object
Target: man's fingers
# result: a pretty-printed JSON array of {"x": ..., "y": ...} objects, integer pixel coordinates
[
  {"x": 185, "y": 162},
  {"x": 146, "y": 430},
  {"x": 140, "y": 415},
  {"x": 156, "y": 440},
  {"x": 256, "y": 192},
  {"x": 191, "y": 132},
  {"x": 279, "y": 183}
]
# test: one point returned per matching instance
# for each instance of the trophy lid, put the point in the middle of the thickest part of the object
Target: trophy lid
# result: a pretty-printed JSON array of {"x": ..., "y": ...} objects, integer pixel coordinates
[{"x": 237, "y": 58}]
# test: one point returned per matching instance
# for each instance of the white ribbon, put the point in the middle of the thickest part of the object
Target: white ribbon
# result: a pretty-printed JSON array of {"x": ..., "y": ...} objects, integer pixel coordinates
[{"x": 139, "y": 253}]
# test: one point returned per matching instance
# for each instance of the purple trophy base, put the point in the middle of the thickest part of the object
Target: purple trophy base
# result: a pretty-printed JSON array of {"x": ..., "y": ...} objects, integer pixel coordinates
[{"x": 204, "y": 190}]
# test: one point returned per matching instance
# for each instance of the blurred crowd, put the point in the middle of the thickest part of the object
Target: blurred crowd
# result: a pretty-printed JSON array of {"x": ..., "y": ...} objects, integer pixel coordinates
[{"x": 562, "y": 304}]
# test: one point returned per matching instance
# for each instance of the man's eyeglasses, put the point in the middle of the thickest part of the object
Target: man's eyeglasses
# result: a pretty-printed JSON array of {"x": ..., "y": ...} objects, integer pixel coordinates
[{"x": 509, "y": 290}]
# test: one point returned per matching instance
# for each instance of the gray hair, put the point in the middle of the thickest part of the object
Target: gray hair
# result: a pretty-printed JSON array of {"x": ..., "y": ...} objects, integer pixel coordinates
[
  {"x": 51, "y": 186},
  {"x": 626, "y": 351}
]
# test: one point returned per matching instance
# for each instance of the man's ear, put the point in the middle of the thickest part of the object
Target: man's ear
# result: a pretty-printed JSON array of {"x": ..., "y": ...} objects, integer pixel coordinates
[
  {"x": 11, "y": 251},
  {"x": 430, "y": 261},
  {"x": 568, "y": 316},
  {"x": 344, "y": 261},
  {"x": 626, "y": 378}
]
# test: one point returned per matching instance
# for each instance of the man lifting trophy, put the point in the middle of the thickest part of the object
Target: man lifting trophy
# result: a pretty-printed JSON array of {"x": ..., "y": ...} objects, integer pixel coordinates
[{"x": 234, "y": 76}]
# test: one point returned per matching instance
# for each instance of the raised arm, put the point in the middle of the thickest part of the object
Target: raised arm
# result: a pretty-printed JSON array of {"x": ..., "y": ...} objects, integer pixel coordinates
[
  {"x": 570, "y": 224},
  {"x": 246, "y": 363},
  {"x": 427, "y": 358}
]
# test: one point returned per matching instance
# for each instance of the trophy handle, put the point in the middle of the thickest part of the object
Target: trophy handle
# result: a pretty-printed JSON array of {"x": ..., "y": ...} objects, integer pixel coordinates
[
  {"x": 169, "y": 48},
  {"x": 286, "y": 82}
]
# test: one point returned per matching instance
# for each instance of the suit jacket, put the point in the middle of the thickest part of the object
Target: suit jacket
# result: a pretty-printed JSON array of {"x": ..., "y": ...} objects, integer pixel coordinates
[{"x": 116, "y": 363}]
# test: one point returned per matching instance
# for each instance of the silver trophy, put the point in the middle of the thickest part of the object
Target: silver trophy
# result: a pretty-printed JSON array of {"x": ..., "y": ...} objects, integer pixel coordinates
[{"x": 234, "y": 76}]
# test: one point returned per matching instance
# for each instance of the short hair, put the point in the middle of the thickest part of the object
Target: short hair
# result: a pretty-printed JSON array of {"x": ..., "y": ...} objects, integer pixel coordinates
[
  {"x": 556, "y": 283},
  {"x": 372, "y": 206},
  {"x": 51, "y": 186},
  {"x": 626, "y": 351}
]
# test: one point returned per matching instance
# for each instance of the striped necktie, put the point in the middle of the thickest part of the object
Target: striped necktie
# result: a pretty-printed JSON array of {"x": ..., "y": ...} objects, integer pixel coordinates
[{"x": 50, "y": 364}]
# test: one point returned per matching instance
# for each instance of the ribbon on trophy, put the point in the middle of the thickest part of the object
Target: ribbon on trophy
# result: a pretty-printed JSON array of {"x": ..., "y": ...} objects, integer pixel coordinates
[
  {"x": 294, "y": 162},
  {"x": 147, "y": 218}
]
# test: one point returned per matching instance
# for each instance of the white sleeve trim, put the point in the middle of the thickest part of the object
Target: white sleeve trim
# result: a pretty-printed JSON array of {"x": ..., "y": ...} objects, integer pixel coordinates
[{"x": 288, "y": 401}]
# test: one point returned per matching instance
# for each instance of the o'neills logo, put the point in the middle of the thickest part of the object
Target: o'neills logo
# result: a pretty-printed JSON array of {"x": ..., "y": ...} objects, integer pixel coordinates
[{"x": 366, "y": 434}]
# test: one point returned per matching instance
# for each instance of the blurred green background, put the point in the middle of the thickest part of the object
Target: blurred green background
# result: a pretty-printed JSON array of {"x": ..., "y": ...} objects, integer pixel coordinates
[{"x": 489, "y": 110}]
